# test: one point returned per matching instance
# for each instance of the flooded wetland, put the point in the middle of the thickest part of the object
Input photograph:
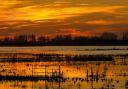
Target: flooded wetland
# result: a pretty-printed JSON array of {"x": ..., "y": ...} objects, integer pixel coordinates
[{"x": 60, "y": 67}]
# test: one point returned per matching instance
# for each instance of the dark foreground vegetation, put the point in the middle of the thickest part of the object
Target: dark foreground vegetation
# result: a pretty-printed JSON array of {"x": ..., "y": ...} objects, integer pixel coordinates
[
  {"x": 31, "y": 78},
  {"x": 66, "y": 40},
  {"x": 61, "y": 58}
]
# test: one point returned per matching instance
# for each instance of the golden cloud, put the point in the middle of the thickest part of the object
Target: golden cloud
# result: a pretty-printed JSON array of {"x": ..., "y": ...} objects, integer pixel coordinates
[{"x": 41, "y": 12}]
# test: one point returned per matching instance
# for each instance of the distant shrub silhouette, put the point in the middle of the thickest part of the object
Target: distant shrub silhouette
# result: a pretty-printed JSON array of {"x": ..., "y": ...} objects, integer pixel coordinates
[{"x": 105, "y": 38}]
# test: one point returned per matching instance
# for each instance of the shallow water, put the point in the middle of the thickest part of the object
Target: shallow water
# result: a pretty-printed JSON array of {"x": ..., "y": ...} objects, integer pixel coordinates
[
  {"x": 79, "y": 50},
  {"x": 76, "y": 75}
]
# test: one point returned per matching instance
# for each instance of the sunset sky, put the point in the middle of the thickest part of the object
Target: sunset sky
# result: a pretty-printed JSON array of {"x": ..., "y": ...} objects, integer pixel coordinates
[{"x": 53, "y": 17}]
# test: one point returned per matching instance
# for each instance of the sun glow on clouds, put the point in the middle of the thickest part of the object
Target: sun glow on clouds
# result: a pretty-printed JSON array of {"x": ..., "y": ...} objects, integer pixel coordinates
[
  {"x": 70, "y": 31},
  {"x": 49, "y": 11},
  {"x": 103, "y": 22},
  {"x": 23, "y": 14}
]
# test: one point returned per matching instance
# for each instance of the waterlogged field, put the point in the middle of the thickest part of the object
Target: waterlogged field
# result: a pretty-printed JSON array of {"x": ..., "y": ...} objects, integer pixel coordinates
[
  {"x": 107, "y": 75},
  {"x": 79, "y": 50},
  {"x": 65, "y": 74}
]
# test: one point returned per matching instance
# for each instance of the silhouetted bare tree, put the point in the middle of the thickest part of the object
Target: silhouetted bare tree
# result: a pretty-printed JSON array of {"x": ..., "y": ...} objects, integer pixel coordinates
[
  {"x": 31, "y": 39},
  {"x": 108, "y": 36},
  {"x": 125, "y": 36},
  {"x": 21, "y": 40},
  {"x": 42, "y": 40}
]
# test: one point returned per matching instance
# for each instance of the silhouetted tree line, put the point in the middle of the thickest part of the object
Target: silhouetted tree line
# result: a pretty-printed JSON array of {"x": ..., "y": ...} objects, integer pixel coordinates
[{"x": 66, "y": 40}]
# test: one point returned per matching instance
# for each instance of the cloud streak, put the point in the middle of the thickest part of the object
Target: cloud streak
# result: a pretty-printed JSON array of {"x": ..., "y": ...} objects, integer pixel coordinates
[{"x": 76, "y": 17}]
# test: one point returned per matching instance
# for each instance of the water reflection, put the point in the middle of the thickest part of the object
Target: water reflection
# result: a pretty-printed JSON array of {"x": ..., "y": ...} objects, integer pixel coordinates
[
  {"x": 76, "y": 75},
  {"x": 30, "y": 68}
]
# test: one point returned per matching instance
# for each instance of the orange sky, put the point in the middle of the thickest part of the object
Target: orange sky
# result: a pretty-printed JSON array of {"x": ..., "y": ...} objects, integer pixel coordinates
[{"x": 52, "y": 17}]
